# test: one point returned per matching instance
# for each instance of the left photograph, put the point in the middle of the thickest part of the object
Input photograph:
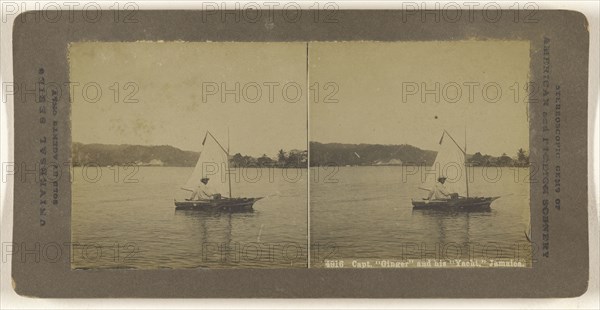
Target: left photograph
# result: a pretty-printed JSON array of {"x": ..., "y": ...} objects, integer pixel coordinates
[{"x": 189, "y": 155}]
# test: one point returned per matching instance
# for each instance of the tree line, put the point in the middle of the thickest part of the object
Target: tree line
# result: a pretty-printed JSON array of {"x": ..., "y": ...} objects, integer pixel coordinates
[
  {"x": 283, "y": 159},
  {"x": 521, "y": 160}
]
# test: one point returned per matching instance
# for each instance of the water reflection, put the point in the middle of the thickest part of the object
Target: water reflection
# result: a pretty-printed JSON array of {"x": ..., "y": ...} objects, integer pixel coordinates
[
  {"x": 213, "y": 222},
  {"x": 450, "y": 225}
]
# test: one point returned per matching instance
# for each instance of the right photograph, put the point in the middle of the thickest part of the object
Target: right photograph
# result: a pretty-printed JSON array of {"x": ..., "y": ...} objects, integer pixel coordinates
[{"x": 419, "y": 154}]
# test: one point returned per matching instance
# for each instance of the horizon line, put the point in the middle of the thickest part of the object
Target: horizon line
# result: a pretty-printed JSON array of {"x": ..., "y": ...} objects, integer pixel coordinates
[{"x": 150, "y": 145}]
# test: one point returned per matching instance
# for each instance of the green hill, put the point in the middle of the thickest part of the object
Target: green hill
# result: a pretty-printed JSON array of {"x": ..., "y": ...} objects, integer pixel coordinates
[
  {"x": 109, "y": 155},
  {"x": 368, "y": 154}
]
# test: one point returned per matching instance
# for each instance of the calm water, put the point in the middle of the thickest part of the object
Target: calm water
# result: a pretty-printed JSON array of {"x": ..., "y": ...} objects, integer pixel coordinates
[
  {"x": 367, "y": 214},
  {"x": 135, "y": 225},
  {"x": 360, "y": 213}
]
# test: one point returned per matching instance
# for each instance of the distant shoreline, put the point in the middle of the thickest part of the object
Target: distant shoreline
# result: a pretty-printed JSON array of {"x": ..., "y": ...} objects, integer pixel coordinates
[
  {"x": 321, "y": 155},
  {"x": 291, "y": 167}
]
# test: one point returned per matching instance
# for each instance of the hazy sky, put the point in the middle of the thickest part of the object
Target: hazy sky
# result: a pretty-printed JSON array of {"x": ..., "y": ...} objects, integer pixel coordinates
[
  {"x": 371, "y": 107},
  {"x": 180, "y": 87},
  {"x": 172, "y": 78}
]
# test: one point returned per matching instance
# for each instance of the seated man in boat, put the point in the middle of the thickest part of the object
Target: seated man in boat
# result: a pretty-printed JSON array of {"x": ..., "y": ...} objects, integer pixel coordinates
[
  {"x": 439, "y": 191},
  {"x": 204, "y": 192}
]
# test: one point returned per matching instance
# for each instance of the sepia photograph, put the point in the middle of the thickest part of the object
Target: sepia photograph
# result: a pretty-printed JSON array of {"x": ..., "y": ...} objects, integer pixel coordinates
[
  {"x": 422, "y": 158},
  {"x": 417, "y": 154},
  {"x": 194, "y": 156},
  {"x": 258, "y": 151}
]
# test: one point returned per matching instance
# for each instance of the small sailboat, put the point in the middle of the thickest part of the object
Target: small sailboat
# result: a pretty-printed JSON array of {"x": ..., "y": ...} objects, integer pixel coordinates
[
  {"x": 214, "y": 158},
  {"x": 451, "y": 156}
]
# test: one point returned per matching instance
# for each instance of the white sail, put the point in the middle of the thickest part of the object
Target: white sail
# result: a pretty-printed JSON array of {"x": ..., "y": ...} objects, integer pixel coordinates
[
  {"x": 213, "y": 164},
  {"x": 450, "y": 163}
]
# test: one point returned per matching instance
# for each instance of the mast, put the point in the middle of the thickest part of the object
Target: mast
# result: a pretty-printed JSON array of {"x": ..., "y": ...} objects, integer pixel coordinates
[
  {"x": 464, "y": 151},
  {"x": 466, "y": 169},
  {"x": 229, "y": 165}
]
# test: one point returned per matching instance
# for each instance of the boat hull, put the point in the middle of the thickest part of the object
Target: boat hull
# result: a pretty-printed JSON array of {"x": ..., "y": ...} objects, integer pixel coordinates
[
  {"x": 458, "y": 204},
  {"x": 218, "y": 205}
]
